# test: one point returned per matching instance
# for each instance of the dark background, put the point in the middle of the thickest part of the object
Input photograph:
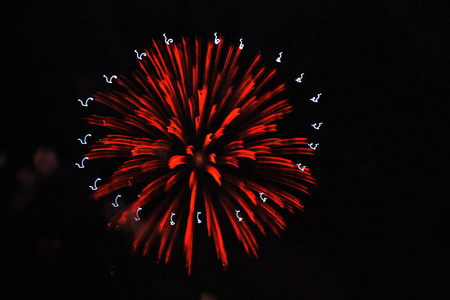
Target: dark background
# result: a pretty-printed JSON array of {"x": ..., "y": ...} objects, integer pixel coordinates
[{"x": 377, "y": 223}]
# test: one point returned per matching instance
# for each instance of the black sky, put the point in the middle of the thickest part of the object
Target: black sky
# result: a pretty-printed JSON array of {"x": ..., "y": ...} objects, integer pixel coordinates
[{"x": 377, "y": 223}]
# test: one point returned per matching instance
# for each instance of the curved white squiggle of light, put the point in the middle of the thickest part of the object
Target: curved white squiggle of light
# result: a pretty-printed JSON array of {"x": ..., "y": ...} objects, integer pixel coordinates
[
  {"x": 85, "y": 103},
  {"x": 166, "y": 40},
  {"x": 171, "y": 220},
  {"x": 279, "y": 57},
  {"x": 137, "y": 214},
  {"x": 216, "y": 39},
  {"x": 241, "y": 45},
  {"x": 139, "y": 56},
  {"x": 81, "y": 166},
  {"x": 83, "y": 142},
  {"x": 237, "y": 215},
  {"x": 115, "y": 204},
  {"x": 316, "y": 99},
  {"x": 109, "y": 80},
  {"x": 95, "y": 184},
  {"x": 261, "y": 197},
  {"x": 299, "y": 79},
  {"x": 301, "y": 168},
  {"x": 313, "y": 147}
]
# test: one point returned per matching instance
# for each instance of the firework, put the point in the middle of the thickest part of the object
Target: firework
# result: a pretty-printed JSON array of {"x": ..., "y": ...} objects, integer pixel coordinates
[{"x": 199, "y": 137}]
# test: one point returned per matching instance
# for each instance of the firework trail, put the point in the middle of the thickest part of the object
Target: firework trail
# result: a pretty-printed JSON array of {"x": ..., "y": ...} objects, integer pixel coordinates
[{"x": 199, "y": 136}]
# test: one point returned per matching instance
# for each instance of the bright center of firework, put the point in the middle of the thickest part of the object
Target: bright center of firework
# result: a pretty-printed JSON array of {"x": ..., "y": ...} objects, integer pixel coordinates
[{"x": 199, "y": 159}]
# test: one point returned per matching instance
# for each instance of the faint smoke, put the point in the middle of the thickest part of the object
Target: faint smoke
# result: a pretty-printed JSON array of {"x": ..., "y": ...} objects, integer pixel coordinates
[
  {"x": 45, "y": 161},
  {"x": 26, "y": 178},
  {"x": 207, "y": 296},
  {"x": 45, "y": 164}
]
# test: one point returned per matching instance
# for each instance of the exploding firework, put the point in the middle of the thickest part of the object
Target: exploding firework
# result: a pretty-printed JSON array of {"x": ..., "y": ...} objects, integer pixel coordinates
[{"x": 199, "y": 137}]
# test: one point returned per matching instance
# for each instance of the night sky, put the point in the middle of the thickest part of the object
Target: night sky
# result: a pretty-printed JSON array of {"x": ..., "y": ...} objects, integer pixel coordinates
[{"x": 376, "y": 225}]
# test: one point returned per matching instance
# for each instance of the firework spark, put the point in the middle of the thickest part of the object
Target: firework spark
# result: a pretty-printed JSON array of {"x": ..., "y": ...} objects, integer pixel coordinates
[{"x": 198, "y": 135}]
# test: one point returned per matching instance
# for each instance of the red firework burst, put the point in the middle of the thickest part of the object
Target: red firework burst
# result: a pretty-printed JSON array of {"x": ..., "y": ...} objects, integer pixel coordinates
[{"x": 198, "y": 136}]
